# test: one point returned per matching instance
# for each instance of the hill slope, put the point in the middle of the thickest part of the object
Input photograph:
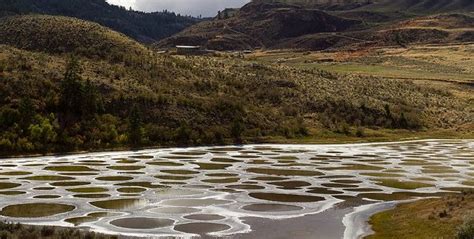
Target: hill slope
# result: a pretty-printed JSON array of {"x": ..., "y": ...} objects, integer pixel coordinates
[
  {"x": 144, "y": 27},
  {"x": 432, "y": 29},
  {"x": 413, "y": 6},
  {"x": 422, "y": 6},
  {"x": 55, "y": 34},
  {"x": 259, "y": 25},
  {"x": 323, "y": 4},
  {"x": 275, "y": 25},
  {"x": 50, "y": 103}
]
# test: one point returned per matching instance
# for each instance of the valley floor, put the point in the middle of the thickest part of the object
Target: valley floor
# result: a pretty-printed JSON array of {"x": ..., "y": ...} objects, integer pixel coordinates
[
  {"x": 446, "y": 67},
  {"x": 441, "y": 63}
]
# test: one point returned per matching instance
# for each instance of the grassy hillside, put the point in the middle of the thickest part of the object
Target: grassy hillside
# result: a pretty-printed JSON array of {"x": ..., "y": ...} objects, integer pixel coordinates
[
  {"x": 55, "y": 34},
  {"x": 50, "y": 102},
  {"x": 144, "y": 27}
]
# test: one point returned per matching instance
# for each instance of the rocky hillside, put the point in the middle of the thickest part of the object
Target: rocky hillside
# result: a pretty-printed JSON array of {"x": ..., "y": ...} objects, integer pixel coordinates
[
  {"x": 412, "y": 6},
  {"x": 260, "y": 25},
  {"x": 275, "y": 25},
  {"x": 421, "y": 6},
  {"x": 324, "y": 4},
  {"x": 432, "y": 29}
]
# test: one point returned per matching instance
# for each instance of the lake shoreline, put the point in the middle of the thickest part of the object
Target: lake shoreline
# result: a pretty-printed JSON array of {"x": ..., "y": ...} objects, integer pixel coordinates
[{"x": 392, "y": 137}]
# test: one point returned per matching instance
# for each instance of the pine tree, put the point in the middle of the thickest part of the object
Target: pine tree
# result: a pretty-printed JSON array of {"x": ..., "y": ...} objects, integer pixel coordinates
[
  {"x": 183, "y": 134},
  {"x": 135, "y": 128},
  {"x": 27, "y": 112},
  {"x": 79, "y": 100},
  {"x": 237, "y": 129},
  {"x": 92, "y": 101},
  {"x": 72, "y": 92},
  {"x": 403, "y": 121}
]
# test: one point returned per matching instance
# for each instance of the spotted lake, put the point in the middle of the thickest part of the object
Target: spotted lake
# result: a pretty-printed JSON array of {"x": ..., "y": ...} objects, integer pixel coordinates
[{"x": 250, "y": 191}]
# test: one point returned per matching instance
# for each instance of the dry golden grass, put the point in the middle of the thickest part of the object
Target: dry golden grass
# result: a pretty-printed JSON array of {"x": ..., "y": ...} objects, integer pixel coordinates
[
  {"x": 424, "y": 219},
  {"x": 57, "y": 34},
  {"x": 430, "y": 62}
]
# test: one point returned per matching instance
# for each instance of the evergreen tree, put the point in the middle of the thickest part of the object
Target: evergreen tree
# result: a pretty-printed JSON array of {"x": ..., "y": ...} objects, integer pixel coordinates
[
  {"x": 27, "y": 112},
  {"x": 78, "y": 100},
  {"x": 183, "y": 134},
  {"x": 403, "y": 121},
  {"x": 135, "y": 127},
  {"x": 237, "y": 129},
  {"x": 72, "y": 92},
  {"x": 92, "y": 100},
  {"x": 388, "y": 112}
]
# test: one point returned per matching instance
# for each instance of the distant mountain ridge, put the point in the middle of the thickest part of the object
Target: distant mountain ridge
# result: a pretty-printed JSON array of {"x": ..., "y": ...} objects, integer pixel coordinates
[
  {"x": 415, "y": 6},
  {"x": 260, "y": 24},
  {"x": 323, "y": 24},
  {"x": 323, "y": 4},
  {"x": 422, "y": 6},
  {"x": 144, "y": 27}
]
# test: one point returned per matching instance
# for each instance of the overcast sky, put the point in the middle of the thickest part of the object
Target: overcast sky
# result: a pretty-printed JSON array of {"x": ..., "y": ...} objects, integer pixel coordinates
[{"x": 206, "y": 8}]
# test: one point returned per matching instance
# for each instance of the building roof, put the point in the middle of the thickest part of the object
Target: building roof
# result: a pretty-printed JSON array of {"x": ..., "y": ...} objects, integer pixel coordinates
[{"x": 188, "y": 47}]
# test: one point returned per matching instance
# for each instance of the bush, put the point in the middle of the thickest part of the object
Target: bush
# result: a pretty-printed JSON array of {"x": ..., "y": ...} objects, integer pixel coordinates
[
  {"x": 360, "y": 132},
  {"x": 466, "y": 231},
  {"x": 5, "y": 145},
  {"x": 343, "y": 128},
  {"x": 158, "y": 134},
  {"x": 8, "y": 117},
  {"x": 14, "y": 230},
  {"x": 183, "y": 134}
]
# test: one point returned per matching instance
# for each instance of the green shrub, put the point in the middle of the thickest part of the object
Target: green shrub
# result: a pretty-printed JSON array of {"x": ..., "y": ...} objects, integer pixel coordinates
[
  {"x": 19, "y": 231},
  {"x": 8, "y": 117},
  {"x": 466, "y": 231},
  {"x": 5, "y": 145},
  {"x": 360, "y": 132}
]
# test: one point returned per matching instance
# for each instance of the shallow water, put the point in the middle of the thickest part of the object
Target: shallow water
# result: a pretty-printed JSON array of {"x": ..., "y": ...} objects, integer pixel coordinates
[{"x": 246, "y": 191}]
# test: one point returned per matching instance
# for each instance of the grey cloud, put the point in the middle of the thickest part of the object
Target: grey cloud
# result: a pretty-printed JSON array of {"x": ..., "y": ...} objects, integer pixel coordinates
[
  {"x": 205, "y": 8},
  {"x": 125, "y": 3}
]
